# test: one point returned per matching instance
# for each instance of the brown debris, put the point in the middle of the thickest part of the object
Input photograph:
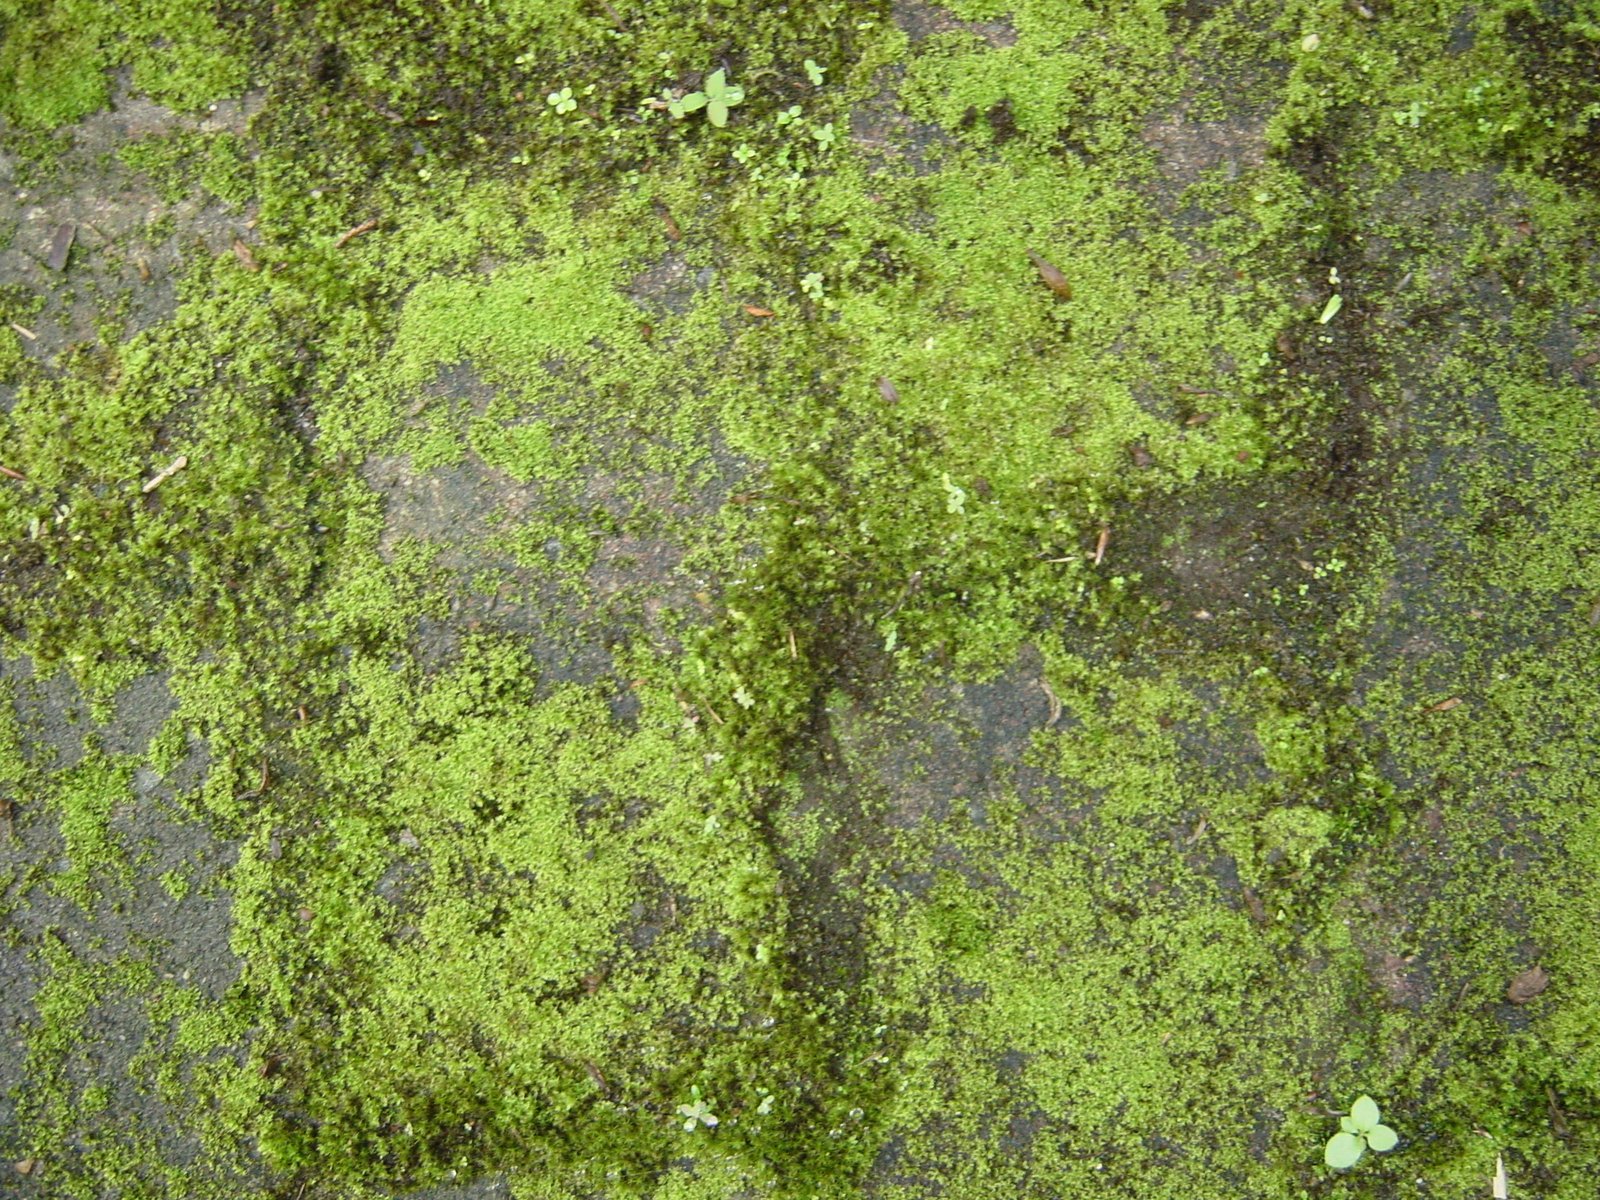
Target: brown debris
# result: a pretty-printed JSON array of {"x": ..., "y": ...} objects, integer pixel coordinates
[
  {"x": 356, "y": 231},
  {"x": 1527, "y": 985},
  {"x": 61, "y": 247},
  {"x": 246, "y": 256},
  {"x": 1052, "y": 276}
]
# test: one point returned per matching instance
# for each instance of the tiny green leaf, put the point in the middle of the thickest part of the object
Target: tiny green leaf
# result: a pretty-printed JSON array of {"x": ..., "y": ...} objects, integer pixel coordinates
[
  {"x": 1343, "y": 1152},
  {"x": 814, "y": 72},
  {"x": 1348, "y": 1125},
  {"x": 1381, "y": 1138},
  {"x": 1331, "y": 308},
  {"x": 718, "y": 112},
  {"x": 716, "y": 81},
  {"x": 1364, "y": 1112}
]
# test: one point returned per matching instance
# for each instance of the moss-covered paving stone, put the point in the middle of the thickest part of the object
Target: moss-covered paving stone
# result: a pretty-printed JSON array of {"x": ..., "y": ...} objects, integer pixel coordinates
[{"x": 1018, "y": 618}]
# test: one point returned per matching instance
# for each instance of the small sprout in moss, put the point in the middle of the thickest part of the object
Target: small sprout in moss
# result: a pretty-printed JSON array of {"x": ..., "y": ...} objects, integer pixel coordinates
[
  {"x": 1360, "y": 1131},
  {"x": 814, "y": 72},
  {"x": 743, "y": 698},
  {"x": 955, "y": 498},
  {"x": 1411, "y": 115},
  {"x": 812, "y": 285},
  {"x": 562, "y": 101},
  {"x": 824, "y": 135},
  {"x": 696, "y": 1113},
  {"x": 1331, "y": 308},
  {"x": 789, "y": 115},
  {"x": 743, "y": 153},
  {"x": 717, "y": 98}
]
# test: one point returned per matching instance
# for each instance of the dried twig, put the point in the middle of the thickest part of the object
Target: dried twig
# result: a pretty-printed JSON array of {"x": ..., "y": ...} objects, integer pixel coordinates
[
  {"x": 366, "y": 226},
  {"x": 166, "y": 473}
]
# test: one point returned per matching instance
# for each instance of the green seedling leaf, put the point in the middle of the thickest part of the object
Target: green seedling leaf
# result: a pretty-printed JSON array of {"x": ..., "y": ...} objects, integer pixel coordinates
[
  {"x": 1364, "y": 1112},
  {"x": 1349, "y": 1125},
  {"x": 814, "y": 72},
  {"x": 1331, "y": 308},
  {"x": 1381, "y": 1138},
  {"x": 1344, "y": 1151}
]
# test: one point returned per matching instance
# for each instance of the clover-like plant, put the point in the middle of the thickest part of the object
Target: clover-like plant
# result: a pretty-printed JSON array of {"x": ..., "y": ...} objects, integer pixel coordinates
[
  {"x": 717, "y": 98},
  {"x": 698, "y": 1113},
  {"x": 1361, "y": 1131}
]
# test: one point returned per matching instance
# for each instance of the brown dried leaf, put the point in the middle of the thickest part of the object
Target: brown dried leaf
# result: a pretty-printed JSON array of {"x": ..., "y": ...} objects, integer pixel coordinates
[
  {"x": 757, "y": 311},
  {"x": 1052, "y": 276},
  {"x": 1527, "y": 985},
  {"x": 60, "y": 247},
  {"x": 1142, "y": 458},
  {"x": 245, "y": 255}
]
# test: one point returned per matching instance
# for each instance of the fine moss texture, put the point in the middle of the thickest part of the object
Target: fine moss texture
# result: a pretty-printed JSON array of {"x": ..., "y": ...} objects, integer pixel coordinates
[{"x": 1020, "y": 620}]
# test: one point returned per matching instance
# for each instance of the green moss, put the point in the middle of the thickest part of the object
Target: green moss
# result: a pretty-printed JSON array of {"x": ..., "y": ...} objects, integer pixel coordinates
[
  {"x": 57, "y": 53},
  {"x": 742, "y": 819}
]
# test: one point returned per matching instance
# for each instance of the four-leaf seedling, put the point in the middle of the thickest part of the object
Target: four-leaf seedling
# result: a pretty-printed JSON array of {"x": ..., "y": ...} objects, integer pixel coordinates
[
  {"x": 717, "y": 98},
  {"x": 698, "y": 1113},
  {"x": 1361, "y": 1131}
]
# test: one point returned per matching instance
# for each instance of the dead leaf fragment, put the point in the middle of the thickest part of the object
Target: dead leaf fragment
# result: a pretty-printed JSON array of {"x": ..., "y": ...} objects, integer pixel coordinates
[
  {"x": 1445, "y": 705},
  {"x": 1142, "y": 458},
  {"x": 673, "y": 232},
  {"x": 61, "y": 246},
  {"x": 1527, "y": 985},
  {"x": 1500, "y": 1184},
  {"x": 24, "y": 1166},
  {"x": 1253, "y": 904},
  {"x": 1052, "y": 276},
  {"x": 245, "y": 255},
  {"x": 1199, "y": 418},
  {"x": 756, "y": 310},
  {"x": 886, "y": 389}
]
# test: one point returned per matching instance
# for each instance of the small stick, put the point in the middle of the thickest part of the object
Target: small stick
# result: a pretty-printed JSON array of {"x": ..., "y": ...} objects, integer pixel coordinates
[
  {"x": 260, "y": 787},
  {"x": 793, "y": 650},
  {"x": 25, "y": 332},
  {"x": 1100, "y": 546},
  {"x": 166, "y": 473},
  {"x": 10, "y": 474},
  {"x": 366, "y": 226},
  {"x": 1055, "y": 703}
]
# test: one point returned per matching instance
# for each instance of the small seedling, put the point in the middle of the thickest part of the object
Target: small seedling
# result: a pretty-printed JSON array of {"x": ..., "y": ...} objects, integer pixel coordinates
[
  {"x": 698, "y": 1113},
  {"x": 814, "y": 72},
  {"x": 812, "y": 284},
  {"x": 561, "y": 101},
  {"x": 824, "y": 135},
  {"x": 717, "y": 98},
  {"x": 1359, "y": 1132}
]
